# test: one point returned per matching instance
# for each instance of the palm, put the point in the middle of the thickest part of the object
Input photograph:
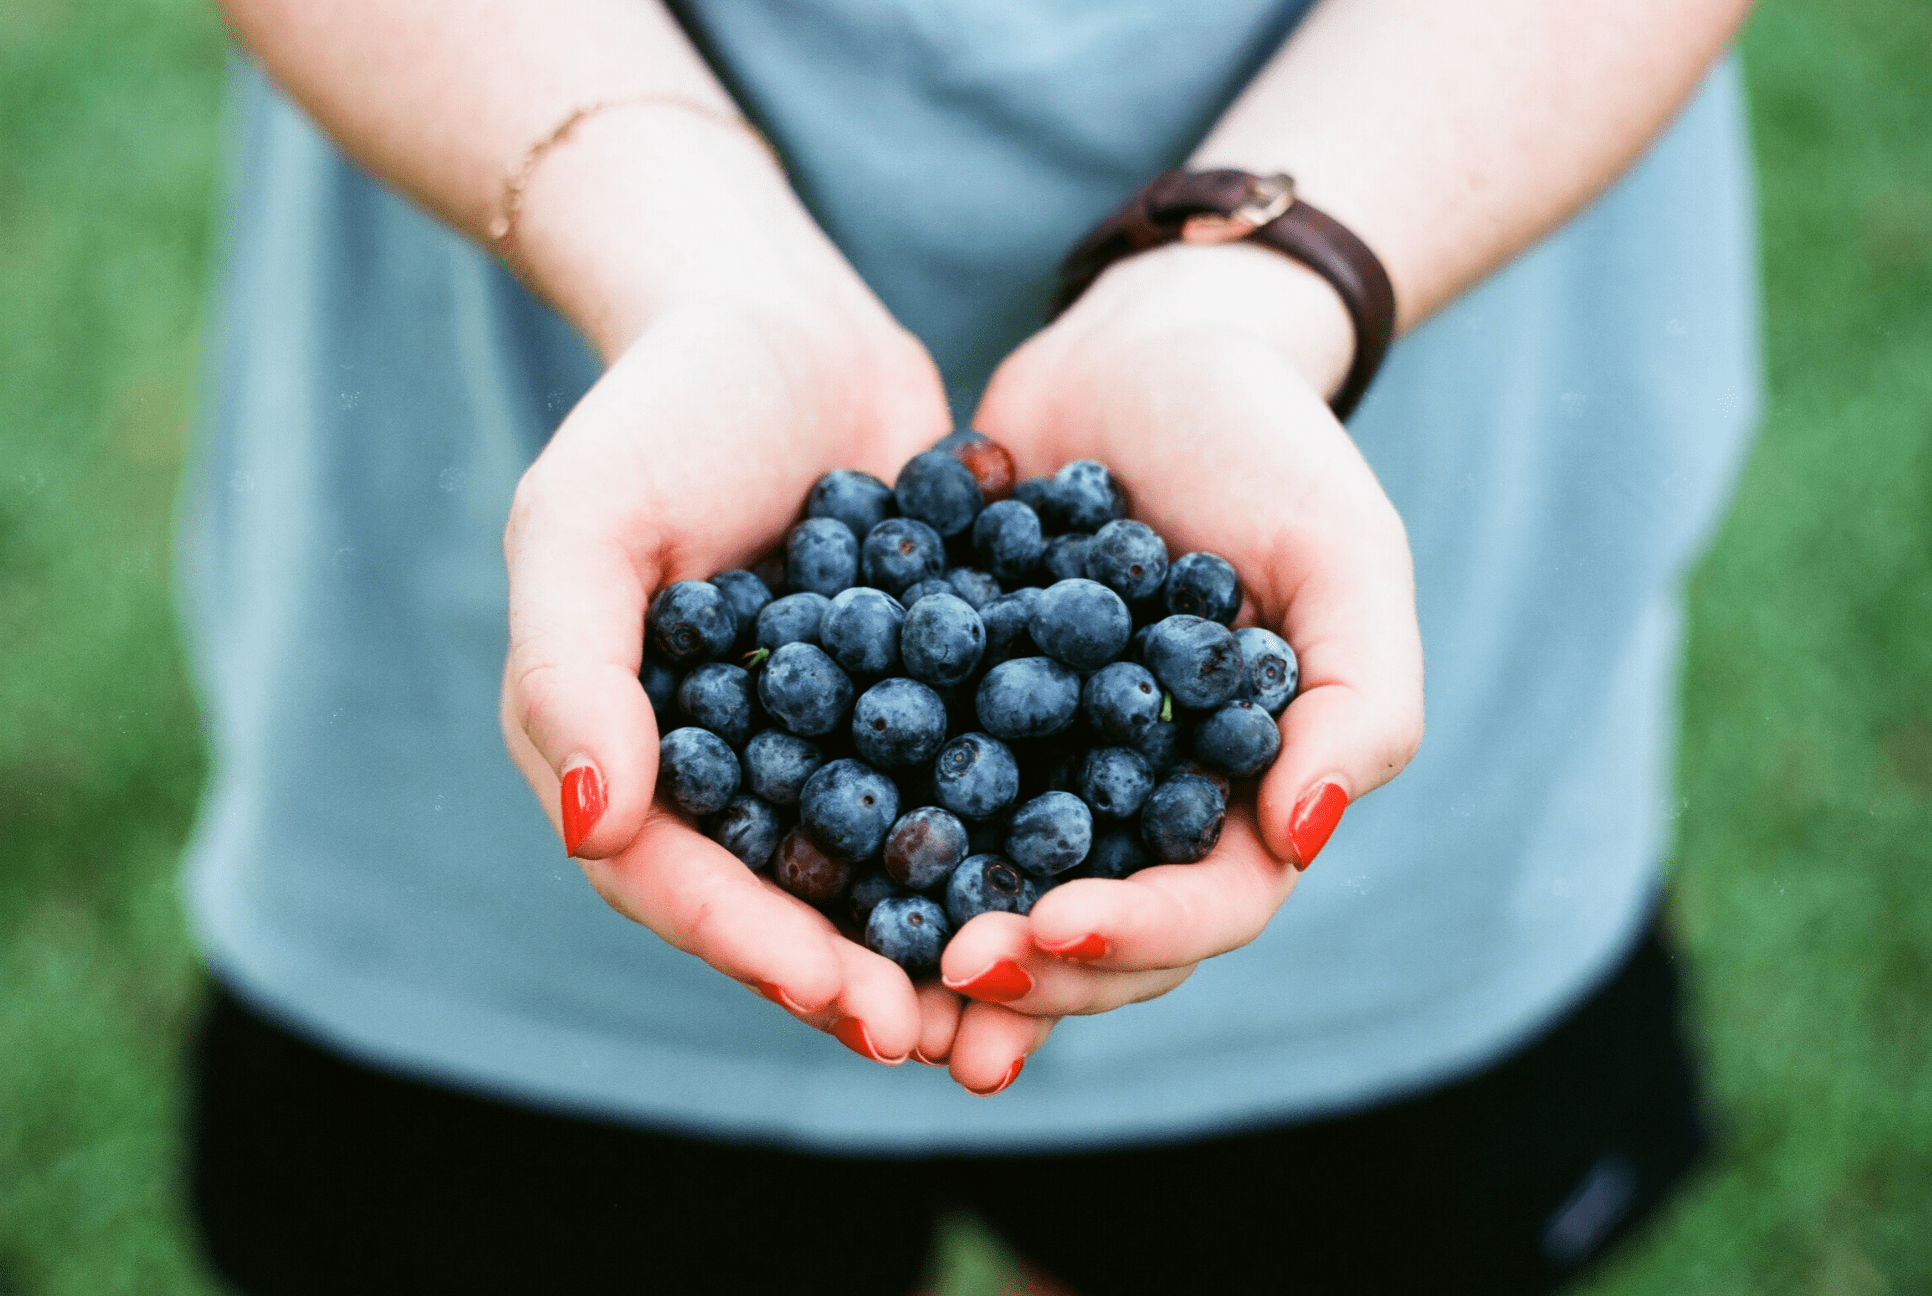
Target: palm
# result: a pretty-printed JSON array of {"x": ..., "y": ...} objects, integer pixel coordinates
[
  {"x": 1222, "y": 446},
  {"x": 689, "y": 457}
]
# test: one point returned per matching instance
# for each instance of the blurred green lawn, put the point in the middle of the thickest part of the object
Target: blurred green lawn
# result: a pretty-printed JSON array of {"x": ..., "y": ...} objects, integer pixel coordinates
[{"x": 1806, "y": 767}]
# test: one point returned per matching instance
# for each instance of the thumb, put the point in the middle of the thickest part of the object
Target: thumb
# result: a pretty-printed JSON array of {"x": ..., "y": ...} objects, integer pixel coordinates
[
  {"x": 576, "y": 719},
  {"x": 1358, "y": 719}
]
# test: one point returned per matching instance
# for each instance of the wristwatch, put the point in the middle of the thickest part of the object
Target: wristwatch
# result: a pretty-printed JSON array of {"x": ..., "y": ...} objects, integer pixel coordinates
[{"x": 1223, "y": 206}]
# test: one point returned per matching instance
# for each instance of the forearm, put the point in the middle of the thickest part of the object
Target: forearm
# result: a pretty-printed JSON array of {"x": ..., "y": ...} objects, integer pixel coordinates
[
  {"x": 639, "y": 204},
  {"x": 1452, "y": 136}
]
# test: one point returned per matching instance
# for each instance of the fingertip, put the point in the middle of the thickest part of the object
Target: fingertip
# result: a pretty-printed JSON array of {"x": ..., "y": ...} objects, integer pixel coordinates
[
  {"x": 877, "y": 994},
  {"x": 992, "y": 1046},
  {"x": 983, "y": 941},
  {"x": 1076, "y": 918},
  {"x": 939, "y": 1010}
]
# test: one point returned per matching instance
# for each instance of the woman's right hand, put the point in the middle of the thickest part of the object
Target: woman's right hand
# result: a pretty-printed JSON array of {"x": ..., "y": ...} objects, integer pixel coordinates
[{"x": 734, "y": 391}]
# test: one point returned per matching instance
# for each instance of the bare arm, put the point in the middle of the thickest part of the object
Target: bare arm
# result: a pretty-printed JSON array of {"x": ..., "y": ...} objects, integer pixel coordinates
[
  {"x": 746, "y": 358},
  {"x": 643, "y": 206},
  {"x": 1449, "y": 137}
]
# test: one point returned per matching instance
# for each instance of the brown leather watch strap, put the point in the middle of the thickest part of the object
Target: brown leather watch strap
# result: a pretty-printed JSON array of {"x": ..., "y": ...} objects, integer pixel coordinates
[{"x": 1220, "y": 206}]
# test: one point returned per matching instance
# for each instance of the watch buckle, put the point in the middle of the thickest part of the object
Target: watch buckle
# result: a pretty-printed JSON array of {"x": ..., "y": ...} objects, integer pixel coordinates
[{"x": 1268, "y": 197}]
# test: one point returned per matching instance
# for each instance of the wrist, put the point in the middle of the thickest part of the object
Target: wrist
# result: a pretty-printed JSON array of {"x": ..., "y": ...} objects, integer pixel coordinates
[
  {"x": 1230, "y": 287},
  {"x": 642, "y": 211}
]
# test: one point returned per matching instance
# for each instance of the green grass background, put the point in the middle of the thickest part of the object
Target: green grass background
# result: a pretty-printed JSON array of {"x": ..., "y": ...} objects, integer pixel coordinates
[{"x": 1806, "y": 760}]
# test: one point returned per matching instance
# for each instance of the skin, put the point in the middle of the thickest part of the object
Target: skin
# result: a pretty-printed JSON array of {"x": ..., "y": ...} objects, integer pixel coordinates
[{"x": 743, "y": 347}]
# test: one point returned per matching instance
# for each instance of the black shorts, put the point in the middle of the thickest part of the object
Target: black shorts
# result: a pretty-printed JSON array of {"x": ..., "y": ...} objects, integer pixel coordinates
[{"x": 312, "y": 1173}]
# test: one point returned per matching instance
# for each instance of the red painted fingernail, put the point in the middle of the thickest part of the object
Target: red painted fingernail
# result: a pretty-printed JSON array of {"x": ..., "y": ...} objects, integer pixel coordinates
[
  {"x": 583, "y": 805},
  {"x": 923, "y": 1060},
  {"x": 1315, "y": 817},
  {"x": 851, "y": 1033},
  {"x": 1012, "y": 1074},
  {"x": 1085, "y": 950},
  {"x": 1004, "y": 982}
]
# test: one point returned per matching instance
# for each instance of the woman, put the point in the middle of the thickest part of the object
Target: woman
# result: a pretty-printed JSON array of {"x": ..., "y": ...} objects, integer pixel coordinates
[{"x": 438, "y": 1058}]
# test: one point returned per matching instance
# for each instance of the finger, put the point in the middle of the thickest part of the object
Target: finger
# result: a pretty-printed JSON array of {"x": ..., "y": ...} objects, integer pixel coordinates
[
  {"x": 997, "y": 962},
  {"x": 1357, "y": 721},
  {"x": 703, "y": 900},
  {"x": 624, "y": 500},
  {"x": 1322, "y": 554},
  {"x": 1170, "y": 915},
  {"x": 879, "y": 1014},
  {"x": 939, "y": 1010},
  {"x": 992, "y": 1046}
]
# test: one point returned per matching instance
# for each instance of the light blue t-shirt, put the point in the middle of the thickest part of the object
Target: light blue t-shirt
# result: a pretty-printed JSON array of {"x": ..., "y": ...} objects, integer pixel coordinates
[{"x": 371, "y": 869}]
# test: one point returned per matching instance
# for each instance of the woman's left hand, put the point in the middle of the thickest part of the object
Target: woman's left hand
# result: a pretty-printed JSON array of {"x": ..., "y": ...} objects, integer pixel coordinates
[{"x": 1199, "y": 376}]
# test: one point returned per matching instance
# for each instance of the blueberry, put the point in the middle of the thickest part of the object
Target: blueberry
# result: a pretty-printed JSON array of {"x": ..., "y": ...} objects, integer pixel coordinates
[
  {"x": 913, "y": 593},
  {"x": 909, "y": 930},
  {"x": 821, "y": 557},
  {"x": 1203, "y": 585},
  {"x": 861, "y": 631},
  {"x": 989, "y": 461},
  {"x": 720, "y": 697},
  {"x": 771, "y": 570},
  {"x": 1082, "y": 623},
  {"x": 804, "y": 690},
  {"x": 898, "y": 723},
  {"x": 858, "y": 499},
  {"x": 1117, "y": 853},
  {"x": 1007, "y": 538},
  {"x": 792, "y": 619},
  {"x": 940, "y": 491},
  {"x": 1240, "y": 739},
  {"x": 1202, "y": 770},
  {"x": 1037, "y": 494},
  {"x": 1120, "y": 701},
  {"x": 991, "y": 465},
  {"x": 953, "y": 441},
  {"x": 924, "y": 847},
  {"x": 746, "y": 596},
  {"x": 690, "y": 622},
  {"x": 1050, "y": 834},
  {"x": 978, "y": 588},
  {"x": 849, "y": 807},
  {"x": 975, "y": 776},
  {"x": 777, "y": 765},
  {"x": 942, "y": 639},
  {"x": 697, "y": 769},
  {"x": 1137, "y": 646},
  {"x": 747, "y": 827},
  {"x": 1114, "y": 781},
  {"x": 1086, "y": 496},
  {"x": 988, "y": 884},
  {"x": 1129, "y": 559},
  {"x": 1270, "y": 672},
  {"x": 1182, "y": 818},
  {"x": 1197, "y": 660},
  {"x": 1160, "y": 744},
  {"x": 808, "y": 872},
  {"x": 1065, "y": 557},
  {"x": 900, "y": 552},
  {"x": 867, "y": 890},
  {"x": 1028, "y": 697},
  {"x": 1006, "y": 619},
  {"x": 661, "y": 686}
]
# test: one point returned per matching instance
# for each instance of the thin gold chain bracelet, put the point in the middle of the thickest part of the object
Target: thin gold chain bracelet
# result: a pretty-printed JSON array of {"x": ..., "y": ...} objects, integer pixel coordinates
[{"x": 518, "y": 177}]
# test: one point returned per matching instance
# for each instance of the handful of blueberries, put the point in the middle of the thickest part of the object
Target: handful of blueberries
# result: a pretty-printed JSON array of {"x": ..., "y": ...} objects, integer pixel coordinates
[{"x": 953, "y": 693}]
